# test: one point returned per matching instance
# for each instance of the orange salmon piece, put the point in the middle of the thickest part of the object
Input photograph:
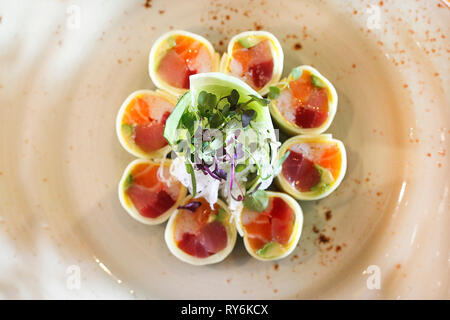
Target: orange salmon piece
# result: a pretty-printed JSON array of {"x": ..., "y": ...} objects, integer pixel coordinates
[
  {"x": 302, "y": 87},
  {"x": 331, "y": 160},
  {"x": 145, "y": 175}
]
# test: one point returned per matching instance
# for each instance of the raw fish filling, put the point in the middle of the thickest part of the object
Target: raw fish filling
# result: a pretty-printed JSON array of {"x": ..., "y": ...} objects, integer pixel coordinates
[
  {"x": 187, "y": 57},
  {"x": 198, "y": 233},
  {"x": 145, "y": 119},
  {"x": 149, "y": 195},
  {"x": 304, "y": 103},
  {"x": 254, "y": 65},
  {"x": 302, "y": 167},
  {"x": 274, "y": 224},
  {"x": 300, "y": 172}
]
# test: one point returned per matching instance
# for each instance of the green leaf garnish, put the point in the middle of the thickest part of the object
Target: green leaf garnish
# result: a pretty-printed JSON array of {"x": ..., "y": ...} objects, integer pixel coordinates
[
  {"x": 190, "y": 170},
  {"x": 202, "y": 96},
  {"x": 317, "y": 82},
  {"x": 258, "y": 201},
  {"x": 215, "y": 120},
  {"x": 173, "y": 121},
  {"x": 233, "y": 98},
  {"x": 261, "y": 101},
  {"x": 296, "y": 73},
  {"x": 206, "y": 99},
  {"x": 207, "y": 103},
  {"x": 127, "y": 129},
  {"x": 187, "y": 119},
  {"x": 252, "y": 179},
  {"x": 226, "y": 109},
  {"x": 274, "y": 92},
  {"x": 188, "y": 122}
]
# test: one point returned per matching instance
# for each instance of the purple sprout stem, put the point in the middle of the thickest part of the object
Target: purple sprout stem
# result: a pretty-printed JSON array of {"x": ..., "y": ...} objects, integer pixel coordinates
[{"x": 211, "y": 173}]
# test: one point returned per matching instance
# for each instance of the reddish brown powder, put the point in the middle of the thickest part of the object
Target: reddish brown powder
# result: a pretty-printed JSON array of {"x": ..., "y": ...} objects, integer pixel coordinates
[
  {"x": 257, "y": 26},
  {"x": 323, "y": 239},
  {"x": 148, "y": 4}
]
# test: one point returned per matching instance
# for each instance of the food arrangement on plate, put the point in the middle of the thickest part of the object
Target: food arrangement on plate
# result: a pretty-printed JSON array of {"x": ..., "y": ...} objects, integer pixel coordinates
[{"x": 214, "y": 116}]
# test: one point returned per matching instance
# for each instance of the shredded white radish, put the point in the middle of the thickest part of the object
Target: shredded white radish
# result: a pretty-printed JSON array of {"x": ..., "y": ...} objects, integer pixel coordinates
[
  {"x": 207, "y": 187},
  {"x": 167, "y": 180}
]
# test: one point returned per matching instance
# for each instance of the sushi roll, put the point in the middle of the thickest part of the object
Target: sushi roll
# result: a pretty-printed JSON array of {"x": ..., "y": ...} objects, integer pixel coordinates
[
  {"x": 140, "y": 123},
  {"x": 314, "y": 166},
  {"x": 148, "y": 192},
  {"x": 178, "y": 54},
  {"x": 305, "y": 102},
  {"x": 255, "y": 57},
  {"x": 200, "y": 235},
  {"x": 271, "y": 233}
]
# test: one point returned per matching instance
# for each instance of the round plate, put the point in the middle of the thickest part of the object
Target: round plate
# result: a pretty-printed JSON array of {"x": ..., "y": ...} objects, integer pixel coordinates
[{"x": 66, "y": 70}]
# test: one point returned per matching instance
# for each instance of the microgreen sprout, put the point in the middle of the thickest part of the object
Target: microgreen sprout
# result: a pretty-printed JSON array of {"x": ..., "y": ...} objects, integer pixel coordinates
[{"x": 215, "y": 127}]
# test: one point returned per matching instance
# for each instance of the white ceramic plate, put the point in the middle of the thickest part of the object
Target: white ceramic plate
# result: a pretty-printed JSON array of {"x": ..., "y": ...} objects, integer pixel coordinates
[{"x": 67, "y": 67}]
